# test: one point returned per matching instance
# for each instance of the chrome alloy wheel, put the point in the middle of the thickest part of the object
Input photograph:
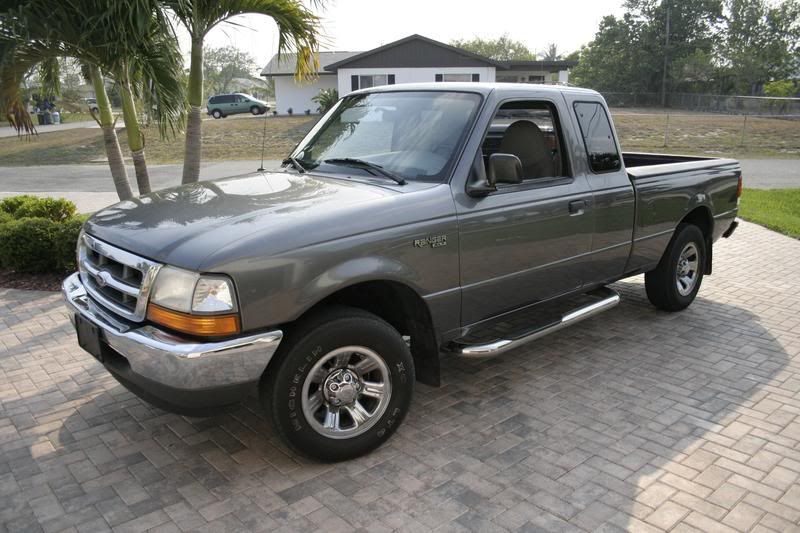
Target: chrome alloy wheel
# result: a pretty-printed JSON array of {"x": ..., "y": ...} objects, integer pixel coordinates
[
  {"x": 686, "y": 274},
  {"x": 346, "y": 392}
]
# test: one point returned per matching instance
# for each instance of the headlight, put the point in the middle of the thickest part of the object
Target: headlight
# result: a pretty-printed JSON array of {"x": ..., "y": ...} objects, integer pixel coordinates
[{"x": 189, "y": 302}]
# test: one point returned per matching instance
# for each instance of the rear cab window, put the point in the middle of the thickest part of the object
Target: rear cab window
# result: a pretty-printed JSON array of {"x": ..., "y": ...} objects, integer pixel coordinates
[{"x": 598, "y": 137}]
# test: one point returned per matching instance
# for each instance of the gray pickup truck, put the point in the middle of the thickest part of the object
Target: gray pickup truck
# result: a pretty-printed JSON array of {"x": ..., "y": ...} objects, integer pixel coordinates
[{"x": 411, "y": 221}]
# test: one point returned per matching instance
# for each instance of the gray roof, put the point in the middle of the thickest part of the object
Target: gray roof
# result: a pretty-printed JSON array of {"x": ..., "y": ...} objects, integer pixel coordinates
[
  {"x": 414, "y": 51},
  {"x": 285, "y": 67}
]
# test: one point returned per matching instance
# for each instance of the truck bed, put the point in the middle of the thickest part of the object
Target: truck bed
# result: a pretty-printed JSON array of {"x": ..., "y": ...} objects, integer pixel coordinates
[{"x": 642, "y": 165}]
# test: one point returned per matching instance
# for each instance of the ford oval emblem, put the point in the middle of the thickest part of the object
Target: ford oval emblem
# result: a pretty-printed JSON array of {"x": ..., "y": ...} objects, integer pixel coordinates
[{"x": 102, "y": 279}]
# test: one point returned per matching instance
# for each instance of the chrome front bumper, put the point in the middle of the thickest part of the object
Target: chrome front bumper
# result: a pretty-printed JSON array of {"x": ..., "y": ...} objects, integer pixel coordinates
[{"x": 165, "y": 367}]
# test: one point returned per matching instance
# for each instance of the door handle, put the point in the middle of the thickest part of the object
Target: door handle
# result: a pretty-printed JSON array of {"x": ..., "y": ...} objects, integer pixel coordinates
[{"x": 577, "y": 207}]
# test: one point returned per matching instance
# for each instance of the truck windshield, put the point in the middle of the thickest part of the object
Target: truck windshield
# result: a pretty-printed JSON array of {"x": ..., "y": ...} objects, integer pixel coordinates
[{"x": 414, "y": 135}]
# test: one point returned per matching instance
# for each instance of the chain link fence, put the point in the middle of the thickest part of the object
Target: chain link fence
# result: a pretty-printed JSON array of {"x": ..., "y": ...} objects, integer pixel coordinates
[{"x": 708, "y": 103}]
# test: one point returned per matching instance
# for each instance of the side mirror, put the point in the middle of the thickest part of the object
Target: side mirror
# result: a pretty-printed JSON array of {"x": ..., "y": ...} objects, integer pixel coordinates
[{"x": 504, "y": 168}]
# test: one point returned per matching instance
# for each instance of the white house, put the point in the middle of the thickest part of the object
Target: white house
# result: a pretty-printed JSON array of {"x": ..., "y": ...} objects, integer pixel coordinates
[{"x": 409, "y": 60}]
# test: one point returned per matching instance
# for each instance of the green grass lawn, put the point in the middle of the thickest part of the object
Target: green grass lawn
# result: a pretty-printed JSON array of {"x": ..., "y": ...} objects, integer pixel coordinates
[{"x": 777, "y": 209}]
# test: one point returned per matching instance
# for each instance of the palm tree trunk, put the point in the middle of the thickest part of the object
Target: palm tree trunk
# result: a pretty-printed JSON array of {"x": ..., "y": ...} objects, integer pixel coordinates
[
  {"x": 113, "y": 150},
  {"x": 135, "y": 138},
  {"x": 194, "y": 124}
]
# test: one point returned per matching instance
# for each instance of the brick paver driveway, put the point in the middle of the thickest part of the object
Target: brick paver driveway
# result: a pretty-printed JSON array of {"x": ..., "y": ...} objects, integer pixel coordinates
[{"x": 636, "y": 419}]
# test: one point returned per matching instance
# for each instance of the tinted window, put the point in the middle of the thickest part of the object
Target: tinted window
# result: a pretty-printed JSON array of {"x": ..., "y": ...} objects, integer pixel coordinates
[
  {"x": 597, "y": 136},
  {"x": 213, "y": 100}
]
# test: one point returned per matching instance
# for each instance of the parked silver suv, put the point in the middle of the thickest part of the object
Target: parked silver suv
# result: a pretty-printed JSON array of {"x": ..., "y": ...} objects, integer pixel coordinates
[{"x": 222, "y": 105}]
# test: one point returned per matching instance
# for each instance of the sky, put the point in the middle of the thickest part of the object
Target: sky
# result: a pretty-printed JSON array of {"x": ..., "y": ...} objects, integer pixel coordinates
[{"x": 357, "y": 25}]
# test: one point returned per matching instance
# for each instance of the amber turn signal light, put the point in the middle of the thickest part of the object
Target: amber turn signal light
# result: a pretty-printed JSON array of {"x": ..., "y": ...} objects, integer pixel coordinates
[{"x": 201, "y": 325}]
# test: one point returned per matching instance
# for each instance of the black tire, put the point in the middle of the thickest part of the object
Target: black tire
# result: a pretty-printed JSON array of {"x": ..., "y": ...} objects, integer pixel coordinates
[
  {"x": 662, "y": 284},
  {"x": 255, "y": 110},
  {"x": 311, "y": 343},
  {"x": 217, "y": 114}
]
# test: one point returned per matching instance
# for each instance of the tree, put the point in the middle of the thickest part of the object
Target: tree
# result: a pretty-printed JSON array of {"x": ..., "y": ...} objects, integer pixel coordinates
[
  {"x": 298, "y": 31},
  {"x": 762, "y": 42},
  {"x": 635, "y": 53},
  {"x": 128, "y": 39},
  {"x": 326, "y": 99},
  {"x": 551, "y": 54},
  {"x": 222, "y": 65},
  {"x": 503, "y": 48}
]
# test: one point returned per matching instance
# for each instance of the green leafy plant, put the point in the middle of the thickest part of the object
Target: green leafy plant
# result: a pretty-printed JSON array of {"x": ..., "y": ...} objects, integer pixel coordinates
[
  {"x": 55, "y": 209},
  {"x": 38, "y": 235},
  {"x": 326, "y": 99}
]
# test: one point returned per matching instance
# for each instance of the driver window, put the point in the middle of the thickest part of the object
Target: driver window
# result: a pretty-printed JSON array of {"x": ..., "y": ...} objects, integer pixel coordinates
[{"x": 528, "y": 130}]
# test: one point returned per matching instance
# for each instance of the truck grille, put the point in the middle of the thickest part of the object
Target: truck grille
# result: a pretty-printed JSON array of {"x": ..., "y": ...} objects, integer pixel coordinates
[{"x": 118, "y": 280}]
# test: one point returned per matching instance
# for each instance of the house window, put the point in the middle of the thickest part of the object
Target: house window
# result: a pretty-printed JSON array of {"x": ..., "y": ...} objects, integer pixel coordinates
[
  {"x": 458, "y": 77},
  {"x": 535, "y": 78},
  {"x": 370, "y": 80}
]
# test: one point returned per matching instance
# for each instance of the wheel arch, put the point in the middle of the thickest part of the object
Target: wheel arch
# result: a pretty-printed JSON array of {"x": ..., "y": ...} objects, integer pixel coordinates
[
  {"x": 701, "y": 217},
  {"x": 400, "y": 306}
]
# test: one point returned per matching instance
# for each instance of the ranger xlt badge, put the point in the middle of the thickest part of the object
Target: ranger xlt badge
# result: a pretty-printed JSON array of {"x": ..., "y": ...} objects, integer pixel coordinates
[{"x": 434, "y": 241}]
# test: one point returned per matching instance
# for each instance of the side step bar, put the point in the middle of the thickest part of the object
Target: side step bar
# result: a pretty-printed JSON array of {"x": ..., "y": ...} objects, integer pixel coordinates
[{"x": 609, "y": 299}]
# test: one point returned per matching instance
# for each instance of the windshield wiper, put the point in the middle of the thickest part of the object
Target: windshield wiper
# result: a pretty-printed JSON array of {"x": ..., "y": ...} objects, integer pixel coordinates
[
  {"x": 361, "y": 163},
  {"x": 295, "y": 163}
]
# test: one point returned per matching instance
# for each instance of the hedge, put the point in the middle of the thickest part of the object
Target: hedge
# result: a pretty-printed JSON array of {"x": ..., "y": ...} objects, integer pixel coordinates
[
  {"x": 38, "y": 235},
  {"x": 26, "y": 206}
]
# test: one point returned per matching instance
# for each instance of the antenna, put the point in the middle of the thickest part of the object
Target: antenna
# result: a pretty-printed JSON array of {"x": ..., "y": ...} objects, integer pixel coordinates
[
  {"x": 263, "y": 143},
  {"x": 264, "y": 133}
]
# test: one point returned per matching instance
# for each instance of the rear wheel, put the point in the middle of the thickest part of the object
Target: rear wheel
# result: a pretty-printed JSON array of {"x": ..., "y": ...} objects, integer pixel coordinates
[
  {"x": 216, "y": 113},
  {"x": 674, "y": 284},
  {"x": 342, "y": 386}
]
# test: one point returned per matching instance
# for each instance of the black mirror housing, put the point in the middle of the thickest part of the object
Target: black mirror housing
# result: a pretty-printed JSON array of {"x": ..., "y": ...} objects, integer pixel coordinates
[{"x": 504, "y": 168}]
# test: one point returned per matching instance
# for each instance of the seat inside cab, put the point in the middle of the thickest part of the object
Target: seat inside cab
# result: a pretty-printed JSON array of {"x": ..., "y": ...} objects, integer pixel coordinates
[{"x": 528, "y": 130}]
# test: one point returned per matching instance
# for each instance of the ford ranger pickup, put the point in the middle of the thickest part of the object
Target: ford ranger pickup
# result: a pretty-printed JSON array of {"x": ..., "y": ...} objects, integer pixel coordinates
[{"x": 411, "y": 221}]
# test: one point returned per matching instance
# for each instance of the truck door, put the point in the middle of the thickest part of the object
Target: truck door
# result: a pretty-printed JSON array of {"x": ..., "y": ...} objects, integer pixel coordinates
[
  {"x": 599, "y": 159},
  {"x": 530, "y": 241}
]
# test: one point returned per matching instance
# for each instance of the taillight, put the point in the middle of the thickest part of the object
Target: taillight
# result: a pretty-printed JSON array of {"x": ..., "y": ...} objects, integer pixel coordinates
[{"x": 739, "y": 187}]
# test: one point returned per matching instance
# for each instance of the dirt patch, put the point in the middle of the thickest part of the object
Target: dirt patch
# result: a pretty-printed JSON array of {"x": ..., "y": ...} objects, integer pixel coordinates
[{"x": 10, "y": 279}]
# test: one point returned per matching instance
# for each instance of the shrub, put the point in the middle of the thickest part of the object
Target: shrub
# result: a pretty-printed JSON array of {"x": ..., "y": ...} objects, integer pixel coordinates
[
  {"x": 39, "y": 244},
  {"x": 27, "y": 245},
  {"x": 26, "y": 206},
  {"x": 11, "y": 204},
  {"x": 67, "y": 241}
]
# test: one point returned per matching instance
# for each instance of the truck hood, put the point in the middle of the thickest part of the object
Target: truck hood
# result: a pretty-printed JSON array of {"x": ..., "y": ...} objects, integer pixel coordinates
[{"x": 183, "y": 226}]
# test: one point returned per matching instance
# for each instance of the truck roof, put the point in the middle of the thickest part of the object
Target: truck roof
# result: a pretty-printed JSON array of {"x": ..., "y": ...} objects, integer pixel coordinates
[{"x": 483, "y": 88}]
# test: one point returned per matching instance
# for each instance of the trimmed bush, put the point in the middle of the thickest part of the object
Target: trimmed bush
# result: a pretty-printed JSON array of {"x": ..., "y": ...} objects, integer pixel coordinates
[
  {"x": 27, "y": 245},
  {"x": 11, "y": 204},
  {"x": 38, "y": 235},
  {"x": 67, "y": 241},
  {"x": 26, "y": 206}
]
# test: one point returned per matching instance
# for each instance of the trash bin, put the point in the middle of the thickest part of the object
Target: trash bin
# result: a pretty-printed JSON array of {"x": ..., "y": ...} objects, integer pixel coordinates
[
  {"x": 56, "y": 117},
  {"x": 47, "y": 119}
]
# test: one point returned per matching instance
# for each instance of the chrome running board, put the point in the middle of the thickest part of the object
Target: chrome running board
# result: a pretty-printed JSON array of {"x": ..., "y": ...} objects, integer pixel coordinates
[{"x": 608, "y": 299}]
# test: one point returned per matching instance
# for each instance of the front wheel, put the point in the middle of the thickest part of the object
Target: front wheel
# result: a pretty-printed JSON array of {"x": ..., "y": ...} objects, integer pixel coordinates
[
  {"x": 255, "y": 110},
  {"x": 343, "y": 385},
  {"x": 216, "y": 113},
  {"x": 673, "y": 285}
]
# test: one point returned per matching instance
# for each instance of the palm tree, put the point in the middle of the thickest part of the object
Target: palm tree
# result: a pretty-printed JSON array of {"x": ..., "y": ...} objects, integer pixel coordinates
[
  {"x": 551, "y": 54},
  {"x": 325, "y": 99},
  {"x": 127, "y": 39},
  {"x": 298, "y": 30}
]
